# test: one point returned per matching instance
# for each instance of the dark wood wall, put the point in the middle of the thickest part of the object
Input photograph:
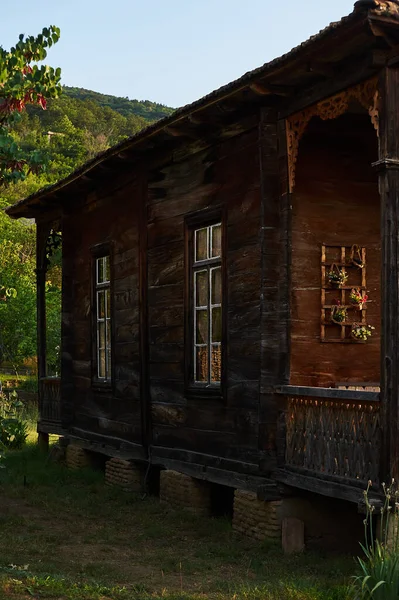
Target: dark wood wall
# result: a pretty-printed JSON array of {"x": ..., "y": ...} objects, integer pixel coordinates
[
  {"x": 106, "y": 216},
  {"x": 336, "y": 201},
  {"x": 226, "y": 176}
]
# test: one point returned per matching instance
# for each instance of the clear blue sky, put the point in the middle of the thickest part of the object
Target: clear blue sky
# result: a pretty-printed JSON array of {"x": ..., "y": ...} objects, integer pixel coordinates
[{"x": 168, "y": 51}]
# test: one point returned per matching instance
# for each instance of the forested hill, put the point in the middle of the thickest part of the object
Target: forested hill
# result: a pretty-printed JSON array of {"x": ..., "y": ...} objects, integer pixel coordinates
[
  {"x": 73, "y": 129},
  {"x": 149, "y": 111}
]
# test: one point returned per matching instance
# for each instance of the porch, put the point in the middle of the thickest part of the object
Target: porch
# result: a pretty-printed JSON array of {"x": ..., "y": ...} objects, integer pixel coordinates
[
  {"x": 50, "y": 406},
  {"x": 331, "y": 440}
]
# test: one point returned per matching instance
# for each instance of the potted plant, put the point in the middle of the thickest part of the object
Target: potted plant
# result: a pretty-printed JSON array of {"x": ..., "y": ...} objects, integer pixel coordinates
[
  {"x": 336, "y": 276},
  {"x": 338, "y": 313},
  {"x": 361, "y": 331},
  {"x": 358, "y": 298}
]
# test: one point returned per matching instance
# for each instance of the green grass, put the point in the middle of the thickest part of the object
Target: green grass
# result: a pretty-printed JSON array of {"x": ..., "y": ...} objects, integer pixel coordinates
[{"x": 65, "y": 535}]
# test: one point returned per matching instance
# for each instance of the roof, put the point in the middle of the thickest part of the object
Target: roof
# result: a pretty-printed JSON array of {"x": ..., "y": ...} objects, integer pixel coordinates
[
  {"x": 362, "y": 9},
  {"x": 381, "y": 8}
]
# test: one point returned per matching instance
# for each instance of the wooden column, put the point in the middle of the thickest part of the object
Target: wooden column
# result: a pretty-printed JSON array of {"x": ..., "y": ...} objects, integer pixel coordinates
[
  {"x": 42, "y": 233},
  {"x": 146, "y": 430},
  {"x": 275, "y": 236},
  {"x": 388, "y": 165}
]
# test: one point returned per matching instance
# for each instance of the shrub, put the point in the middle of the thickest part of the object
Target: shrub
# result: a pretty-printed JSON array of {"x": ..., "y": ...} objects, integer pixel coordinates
[
  {"x": 13, "y": 429},
  {"x": 379, "y": 567},
  {"x": 28, "y": 385}
]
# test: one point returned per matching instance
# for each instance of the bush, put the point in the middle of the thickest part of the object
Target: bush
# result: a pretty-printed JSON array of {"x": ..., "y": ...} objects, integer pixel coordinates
[
  {"x": 13, "y": 429},
  {"x": 379, "y": 566},
  {"x": 29, "y": 384}
]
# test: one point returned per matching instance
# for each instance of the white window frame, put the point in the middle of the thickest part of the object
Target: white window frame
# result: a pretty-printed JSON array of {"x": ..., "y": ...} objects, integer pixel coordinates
[
  {"x": 101, "y": 288},
  {"x": 207, "y": 265}
]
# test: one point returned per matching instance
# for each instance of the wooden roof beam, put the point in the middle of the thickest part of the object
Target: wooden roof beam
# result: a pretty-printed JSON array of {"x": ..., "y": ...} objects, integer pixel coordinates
[
  {"x": 182, "y": 129},
  {"x": 326, "y": 70},
  {"x": 265, "y": 89}
]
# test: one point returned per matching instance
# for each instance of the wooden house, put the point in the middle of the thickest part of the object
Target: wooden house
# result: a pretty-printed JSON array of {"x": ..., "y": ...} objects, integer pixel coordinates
[{"x": 215, "y": 273}]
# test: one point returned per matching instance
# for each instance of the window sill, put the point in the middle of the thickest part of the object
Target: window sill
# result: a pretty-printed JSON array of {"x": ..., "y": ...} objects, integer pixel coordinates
[
  {"x": 204, "y": 393},
  {"x": 101, "y": 386}
]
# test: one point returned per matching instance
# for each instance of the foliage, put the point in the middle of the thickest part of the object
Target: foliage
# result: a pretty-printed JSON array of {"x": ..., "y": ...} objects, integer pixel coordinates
[
  {"x": 338, "y": 313},
  {"x": 13, "y": 430},
  {"x": 362, "y": 332},
  {"x": 337, "y": 276},
  {"x": 358, "y": 298},
  {"x": 23, "y": 82},
  {"x": 149, "y": 111},
  {"x": 379, "y": 566}
]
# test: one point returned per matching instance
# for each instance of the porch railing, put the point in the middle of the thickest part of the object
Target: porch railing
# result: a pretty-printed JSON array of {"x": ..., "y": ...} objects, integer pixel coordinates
[
  {"x": 50, "y": 399},
  {"x": 337, "y": 438}
]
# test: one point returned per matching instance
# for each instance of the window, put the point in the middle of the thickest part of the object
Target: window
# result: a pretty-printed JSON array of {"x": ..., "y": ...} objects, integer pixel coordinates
[
  {"x": 103, "y": 317},
  {"x": 207, "y": 305}
]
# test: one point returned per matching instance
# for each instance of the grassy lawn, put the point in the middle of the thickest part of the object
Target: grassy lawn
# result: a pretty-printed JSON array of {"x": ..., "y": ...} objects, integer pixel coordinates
[{"x": 65, "y": 535}]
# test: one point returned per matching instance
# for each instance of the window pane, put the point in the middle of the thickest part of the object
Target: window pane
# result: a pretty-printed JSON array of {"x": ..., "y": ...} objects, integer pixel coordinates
[
  {"x": 108, "y": 363},
  {"x": 216, "y": 324},
  {"x": 201, "y": 244},
  {"x": 201, "y": 327},
  {"x": 108, "y": 303},
  {"x": 202, "y": 364},
  {"x": 103, "y": 269},
  {"x": 99, "y": 269},
  {"x": 201, "y": 288},
  {"x": 107, "y": 275},
  {"x": 216, "y": 275},
  {"x": 108, "y": 332},
  {"x": 216, "y": 366},
  {"x": 101, "y": 363},
  {"x": 101, "y": 335},
  {"x": 216, "y": 243},
  {"x": 100, "y": 305}
]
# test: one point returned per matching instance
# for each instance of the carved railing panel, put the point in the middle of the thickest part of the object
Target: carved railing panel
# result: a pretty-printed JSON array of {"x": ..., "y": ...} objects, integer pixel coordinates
[
  {"x": 50, "y": 399},
  {"x": 334, "y": 438}
]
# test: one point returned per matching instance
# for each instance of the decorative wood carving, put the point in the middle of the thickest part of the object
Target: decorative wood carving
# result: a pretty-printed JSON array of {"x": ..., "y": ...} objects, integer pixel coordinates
[
  {"x": 380, "y": 8},
  {"x": 338, "y": 438},
  {"x": 330, "y": 108}
]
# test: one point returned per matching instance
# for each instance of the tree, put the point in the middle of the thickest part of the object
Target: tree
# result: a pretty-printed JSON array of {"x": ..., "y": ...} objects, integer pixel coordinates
[{"x": 23, "y": 82}]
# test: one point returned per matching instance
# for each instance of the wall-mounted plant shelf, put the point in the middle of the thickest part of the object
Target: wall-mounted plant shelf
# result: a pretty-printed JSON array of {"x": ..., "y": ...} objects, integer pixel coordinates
[{"x": 336, "y": 258}]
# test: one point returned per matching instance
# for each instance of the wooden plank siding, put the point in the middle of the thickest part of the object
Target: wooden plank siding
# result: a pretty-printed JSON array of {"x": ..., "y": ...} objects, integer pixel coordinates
[
  {"x": 335, "y": 201},
  {"x": 113, "y": 218},
  {"x": 225, "y": 176}
]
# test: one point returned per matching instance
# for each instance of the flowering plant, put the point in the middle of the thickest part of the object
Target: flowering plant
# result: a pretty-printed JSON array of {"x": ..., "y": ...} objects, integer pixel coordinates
[
  {"x": 361, "y": 331},
  {"x": 337, "y": 277},
  {"x": 338, "y": 313},
  {"x": 358, "y": 298}
]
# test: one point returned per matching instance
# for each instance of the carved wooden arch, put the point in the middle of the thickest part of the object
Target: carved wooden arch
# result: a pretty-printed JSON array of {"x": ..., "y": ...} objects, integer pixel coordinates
[{"x": 365, "y": 93}]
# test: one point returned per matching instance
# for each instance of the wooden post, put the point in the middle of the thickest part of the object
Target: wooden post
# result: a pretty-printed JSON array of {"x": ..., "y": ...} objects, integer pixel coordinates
[
  {"x": 388, "y": 165},
  {"x": 275, "y": 313},
  {"x": 42, "y": 233},
  {"x": 43, "y": 441}
]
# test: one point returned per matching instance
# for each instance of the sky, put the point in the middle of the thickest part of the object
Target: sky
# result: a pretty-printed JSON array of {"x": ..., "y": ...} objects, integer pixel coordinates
[{"x": 167, "y": 51}]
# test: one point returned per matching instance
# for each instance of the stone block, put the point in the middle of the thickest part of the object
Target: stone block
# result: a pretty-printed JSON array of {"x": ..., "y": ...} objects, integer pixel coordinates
[
  {"x": 77, "y": 457},
  {"x": 182, "y": 491},
  {"x": 124, "y": 474},
  {"x": 255, "y": 518},
  {"x": 293, "y": 535}
]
